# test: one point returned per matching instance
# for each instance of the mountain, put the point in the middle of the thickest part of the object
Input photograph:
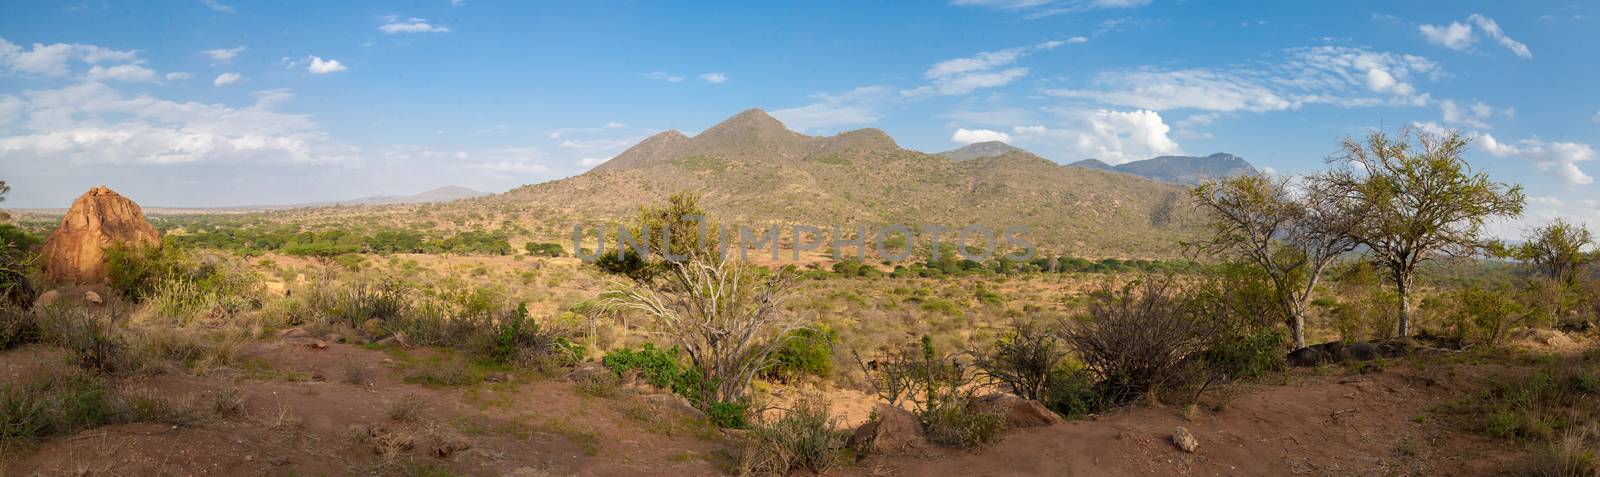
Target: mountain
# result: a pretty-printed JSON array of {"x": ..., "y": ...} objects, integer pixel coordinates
[
  {"x": 1179, "y": 169},
  {"x": 980, "y": 149},
  {"x": 442, "y": 194},
  {"x": 751, "y": 170}
]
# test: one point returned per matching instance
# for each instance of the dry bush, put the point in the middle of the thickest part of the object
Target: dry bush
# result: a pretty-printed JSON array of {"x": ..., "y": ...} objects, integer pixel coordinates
[
  {"x": 1138, "y": 339},
  {"x": 806, "y": 437},
  {"x": 1023, "y": 359},
  {"x": 724, "y": 315}
]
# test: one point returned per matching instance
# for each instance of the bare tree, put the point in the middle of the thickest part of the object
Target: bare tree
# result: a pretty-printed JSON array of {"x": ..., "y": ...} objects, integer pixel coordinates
[
  {"x": 725, "y": 315},
  {"x": 1291, "y": 236},
  {"x": 1417, "y": 199}
]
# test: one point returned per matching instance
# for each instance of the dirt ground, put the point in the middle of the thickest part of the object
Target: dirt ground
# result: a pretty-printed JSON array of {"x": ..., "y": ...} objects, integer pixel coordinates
[{"x": 302, "y": 416}]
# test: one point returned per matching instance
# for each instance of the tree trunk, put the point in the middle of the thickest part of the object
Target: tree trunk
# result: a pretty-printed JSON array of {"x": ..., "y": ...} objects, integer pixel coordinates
[
  {"x": 1404, "y": 287},
  {"x": 1297, "y": 327}
]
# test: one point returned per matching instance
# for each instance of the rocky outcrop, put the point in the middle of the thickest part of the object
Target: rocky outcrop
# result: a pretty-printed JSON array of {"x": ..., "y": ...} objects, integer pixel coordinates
[
  {"x": 75, "y": 251},
  {"x": 892, "y": 430},
  {"x": 1017, "y": 412}
]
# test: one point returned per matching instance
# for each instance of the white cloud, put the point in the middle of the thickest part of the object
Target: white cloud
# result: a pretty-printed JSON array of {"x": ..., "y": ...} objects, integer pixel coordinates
[
  {"x": 93, "y": 123},
  {"x": 1596, "y": 118},
  {"x": 1473, "y": 115},
  {"x": 591, "y": 161},
  {"x": 855, "y": 107},
  {"x": 715, "y": 78},
  {"x": 1460, "y": 36},
  {"x": 223, "y": 55},
  {"x": 217, "y": 6},
  {"x": 1045, "y": 8},
  {"x": 132, "y": 73},
  {"x": 226, "y": 79},
  {"x": 54, "y": 59},
  {"x": 1455, "y": 36},
  {"x": 983, "y": 70},
  {"x": 1547, "y": 201},
  {"x": 319, "y": 66},
  {"x": 969, "y": 136},
  {"x": 1340, "y": 76},
  {"x": 1112, "y": 136},
  {"x": 1559, "y": 159},
  {"x": 663, "y": 76},
  {"x": 411, "y": 25},
  {"x": 1492, "y": 29},
  {"x": 178, "y": 76},
  {"x": 457, "y": 3}
]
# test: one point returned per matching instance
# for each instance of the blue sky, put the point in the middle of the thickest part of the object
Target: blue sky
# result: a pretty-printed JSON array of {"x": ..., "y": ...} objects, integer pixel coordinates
[{"x": 224, "y": 102}]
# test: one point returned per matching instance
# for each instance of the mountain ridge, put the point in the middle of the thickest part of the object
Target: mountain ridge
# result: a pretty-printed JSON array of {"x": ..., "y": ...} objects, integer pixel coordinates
[{"x": 750, "y": 169}]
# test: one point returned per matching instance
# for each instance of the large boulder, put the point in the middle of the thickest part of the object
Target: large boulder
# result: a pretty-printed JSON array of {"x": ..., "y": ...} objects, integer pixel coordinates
[
  {"x": 75, "y": 251},
  {"x": 1017, "y": 412},
  {"x": 892, "y": 430}
]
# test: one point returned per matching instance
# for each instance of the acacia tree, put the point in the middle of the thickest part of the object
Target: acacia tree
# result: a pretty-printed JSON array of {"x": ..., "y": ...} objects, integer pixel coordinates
[
  {"x": 1558, "y": 250},
  {"x": 1291, "y": 236},
  {"x": 1417, "y": 199}
]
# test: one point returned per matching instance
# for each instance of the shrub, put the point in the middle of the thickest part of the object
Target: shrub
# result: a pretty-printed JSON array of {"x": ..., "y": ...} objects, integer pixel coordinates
[
  {"x": 358, "y": 302},
  {"x": 1071, "y": 392},
  {"x": 726, "y": 315},
  {"x": 1575, "y": 454},
  {"x": 804, "y": 351},
  {"x": 1138, "y": 339},
  {"x": 1245, "y": 353},
  {"x": 956, "y": 423},
  {"x": 656, "y": 366},
  {"x": 541, "y": 249},
  {"x": 135, "y": 271},
  {"x": 1485, "y": 316},
  {"x": 804, "y": 438},
  {"x": 1023, "y": 359},
  {"x": 53, "y": 404},
  {"x": 519, "y": 341},
  {"x": 90, "y": 335},
  {"x": 17, "y": 327}
]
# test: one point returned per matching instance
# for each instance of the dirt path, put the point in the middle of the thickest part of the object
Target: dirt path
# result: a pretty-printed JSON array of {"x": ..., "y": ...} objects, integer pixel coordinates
[
  {"x": 300, "y": 416},
  {"x": 1367, "y": 424}
]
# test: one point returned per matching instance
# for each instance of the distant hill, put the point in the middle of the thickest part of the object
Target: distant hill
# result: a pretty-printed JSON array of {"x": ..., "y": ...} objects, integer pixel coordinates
[
  {"x": 980, "y": 149},
  {"x": 442, "y": 194},
  {"x": 1179, "y": 169},
  {"x": 752, "y": 170}
]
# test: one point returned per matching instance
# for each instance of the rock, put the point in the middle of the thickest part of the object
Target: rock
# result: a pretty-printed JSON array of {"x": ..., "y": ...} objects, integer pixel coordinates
[
  {"x": 1319, "y": 354},
  {"x": 46, "y": 298},
  {"x": 318, "y": 344},
  {"x": 1362, "y": 351},
  {"x": 1184, "y": 440},
  {"x": 588, "y": 373},
  {"x": 398, "y": 338},
  {"x": 673, "y": 403},
  {"x": 294, "y": 333},
  {"x": 75, "y": 251},
  {"x": 92, "y": 297},
  {"x": 891, "y": 430},
  {"x": 1018, "y": 412}
]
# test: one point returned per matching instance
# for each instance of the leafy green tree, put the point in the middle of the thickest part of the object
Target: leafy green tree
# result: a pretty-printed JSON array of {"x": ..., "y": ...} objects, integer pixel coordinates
[
  {"x": 1558, "y": 250},
  {"x": 1417, "y": 199},
  {"x": 1290, "y": 236}
]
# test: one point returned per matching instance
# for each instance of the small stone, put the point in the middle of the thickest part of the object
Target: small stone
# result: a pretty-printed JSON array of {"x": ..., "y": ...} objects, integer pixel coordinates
[
  {"x": 318, "y": 344},
  {"x": 1184, "y": 440},
  {"x": 92, "y": 297}
]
